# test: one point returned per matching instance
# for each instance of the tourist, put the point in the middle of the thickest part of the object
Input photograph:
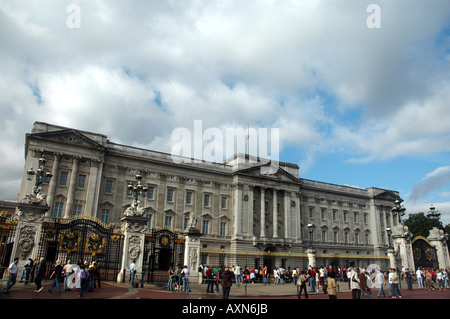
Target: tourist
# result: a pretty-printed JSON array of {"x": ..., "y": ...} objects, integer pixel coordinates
[
  {"x": 40, "y": 274},
  {"x": 209, "y": 280},
  {"x": 408, "y": 278},
  {"x": 185, "y": 277},
  {"x": 12, "y": 274},
  {"x": 393, "y": 280},
  {"x": 171, "y": 279},
  {"x": 365, "y": 290},
  {"x": 331, "y": 285},
  {"x": 354, "y": 284},
  {"x": 132, "y": 272},
  {"x": 83, "y": 276},
  {"x": 237, "y": 275},
  {"x": 68, "y": 270},
  {"x": 312, "y": 279},
  {"x": 429, "y": 279},
  {"x": 27, "y": 268},
  {"x": 380, "y": 282},
  {"x": 419, "y": 276},
  {"x": 440, "y": 279},
  {"x": 97, "y": 269},
  {"x": 56, "y": 274},
  {"x": 226, "y": 276},
  {"x": 302, "y": 283}
]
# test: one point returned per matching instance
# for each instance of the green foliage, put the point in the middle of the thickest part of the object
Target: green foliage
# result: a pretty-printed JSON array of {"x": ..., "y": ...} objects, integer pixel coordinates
[{"x": 419, "y": 225}]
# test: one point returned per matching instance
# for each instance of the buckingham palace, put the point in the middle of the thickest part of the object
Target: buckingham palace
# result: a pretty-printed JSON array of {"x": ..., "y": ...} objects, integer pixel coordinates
[{"x": 244, "y": 216}]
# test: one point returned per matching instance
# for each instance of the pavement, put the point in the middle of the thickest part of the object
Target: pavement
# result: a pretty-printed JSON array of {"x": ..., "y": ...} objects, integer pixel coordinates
[{"x": 113, "y": 290}]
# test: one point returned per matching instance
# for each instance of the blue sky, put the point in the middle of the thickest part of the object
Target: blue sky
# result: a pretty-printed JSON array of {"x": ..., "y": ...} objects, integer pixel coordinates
[{"x": 359, "y": 106}]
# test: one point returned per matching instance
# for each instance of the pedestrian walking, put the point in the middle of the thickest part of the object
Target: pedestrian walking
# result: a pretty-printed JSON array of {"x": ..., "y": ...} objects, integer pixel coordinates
[
  {"x": 237, "y": 275},
  {"x": 408, "y": 278},
  {"x": 28, "y": 267},
  {"x": 84, "y": 279},
  {"x": 302, "y": 283},
  {"x": 226, "y": 276},
  {"x": 68, "y": 270},
  {"x": 12, "y": 274},
  {"x": 97, "y": 273},
  {"x": 40, "y": 274},
  {"x": 365, "y": 291},
  {"x": 132, "y": 272},
  {"x": 56, "y": 276},
  {"x": 210, "y": 280},
  {"x": 331, "y": 285},
  {"x": 379, "y": 283},
  {"x": 354, "y": 284},
  {"x": 429, "y": 279},
  {"x": 393, "y": 280},
  {"x": 440, "y": 279}
]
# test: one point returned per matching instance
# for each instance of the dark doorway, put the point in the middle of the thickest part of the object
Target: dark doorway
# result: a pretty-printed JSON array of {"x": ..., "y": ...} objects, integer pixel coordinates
[{"x": 165, "y": 258}]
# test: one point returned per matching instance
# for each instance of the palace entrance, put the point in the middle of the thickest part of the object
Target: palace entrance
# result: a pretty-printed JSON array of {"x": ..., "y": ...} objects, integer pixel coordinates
[{"x": 424, "y": 253}]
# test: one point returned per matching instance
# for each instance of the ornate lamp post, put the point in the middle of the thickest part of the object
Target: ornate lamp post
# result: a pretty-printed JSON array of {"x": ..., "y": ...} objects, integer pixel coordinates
[
  {"x": 398, "y": 210},
  {"x": 42, "y": 176},
  {"x": 311, "y": 230},
  {"x": 137, "y": 189},
  {"x": 389, "y": 233},
  {"x": 310, "y": 252},
  {"x": 433, "y": 214}
]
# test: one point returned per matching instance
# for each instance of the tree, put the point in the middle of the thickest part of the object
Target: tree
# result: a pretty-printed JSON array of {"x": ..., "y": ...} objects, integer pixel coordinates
[{"x": 420, "y": 225}]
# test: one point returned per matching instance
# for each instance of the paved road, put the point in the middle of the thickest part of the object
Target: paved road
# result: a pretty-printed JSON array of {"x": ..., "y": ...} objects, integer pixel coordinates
[{"x": 112, "y": 290}]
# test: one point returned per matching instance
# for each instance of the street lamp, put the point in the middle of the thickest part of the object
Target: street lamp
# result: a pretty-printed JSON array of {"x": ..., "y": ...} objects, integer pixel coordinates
[
  {"x": 389, "y": 232},
  {"x": 311, "y": 230},
  {"x": 42, "y": 176},
  {"x": 433, "y": 214},
  {"x": 398, "y": 210},
  {"x": 137, "y": 189}
]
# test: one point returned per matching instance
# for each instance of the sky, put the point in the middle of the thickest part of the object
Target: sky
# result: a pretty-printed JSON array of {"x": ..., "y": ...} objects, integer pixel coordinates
[{"x": 359, "y": 90}]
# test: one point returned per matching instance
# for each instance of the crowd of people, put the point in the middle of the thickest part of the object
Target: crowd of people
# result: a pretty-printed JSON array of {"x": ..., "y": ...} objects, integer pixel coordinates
[
  {"x": 361, "y": 280},
  {"x": 83, "y": 275}
]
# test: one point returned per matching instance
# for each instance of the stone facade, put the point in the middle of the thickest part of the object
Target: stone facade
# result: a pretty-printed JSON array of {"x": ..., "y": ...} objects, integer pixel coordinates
[{"x": 243, "y": 213}]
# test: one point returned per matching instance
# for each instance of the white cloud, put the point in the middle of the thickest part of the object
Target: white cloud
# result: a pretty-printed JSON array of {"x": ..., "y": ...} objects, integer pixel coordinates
[{"x": 136, "y": 70}]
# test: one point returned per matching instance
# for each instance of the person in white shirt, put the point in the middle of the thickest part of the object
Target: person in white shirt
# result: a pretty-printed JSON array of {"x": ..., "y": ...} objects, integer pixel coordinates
[
  {"x": 185, "y": 277},
  {"x": 419, "y": 274},
  {"x": 12, "y": 274},
  {"x": 380, "y": 281}
]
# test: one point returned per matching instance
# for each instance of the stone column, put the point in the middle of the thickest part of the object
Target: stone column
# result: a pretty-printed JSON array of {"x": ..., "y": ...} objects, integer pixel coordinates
[
  {"x": 311, "y": 257},
  {"x": 237, "y": 218},
  {"x": 133, "y": 228},
  {"x": 392, "y": 260},
  {"x": 29, "y": 227},
  {"x": 275, "y": 212},
  {"x": 263, "y": 213},
  {"x": 91, "y": 206},
  {"x": 439, "y": 240},
  {"x": 53, "y": 182},
  {"x": 287, "y": 214},
  {"x": 402, "y": 243},
  {"x": 192, "y": 253},
  {"x": 72, "y": 186}
]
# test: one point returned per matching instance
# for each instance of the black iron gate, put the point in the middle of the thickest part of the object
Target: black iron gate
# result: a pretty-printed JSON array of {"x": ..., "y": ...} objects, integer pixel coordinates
[
  {"x": 163, "y": 249},
  {"x": 7, "y": 233},
  {"x": 79, "y": 240},
  {"x": 424, "y": 253}
]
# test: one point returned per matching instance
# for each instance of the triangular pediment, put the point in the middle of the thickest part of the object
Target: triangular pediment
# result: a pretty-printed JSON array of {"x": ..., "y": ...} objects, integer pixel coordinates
[
  {"x": 387, "y": 195},
  {"x": 69, "y": 136},
  {"x": 269, "y": 172}
]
